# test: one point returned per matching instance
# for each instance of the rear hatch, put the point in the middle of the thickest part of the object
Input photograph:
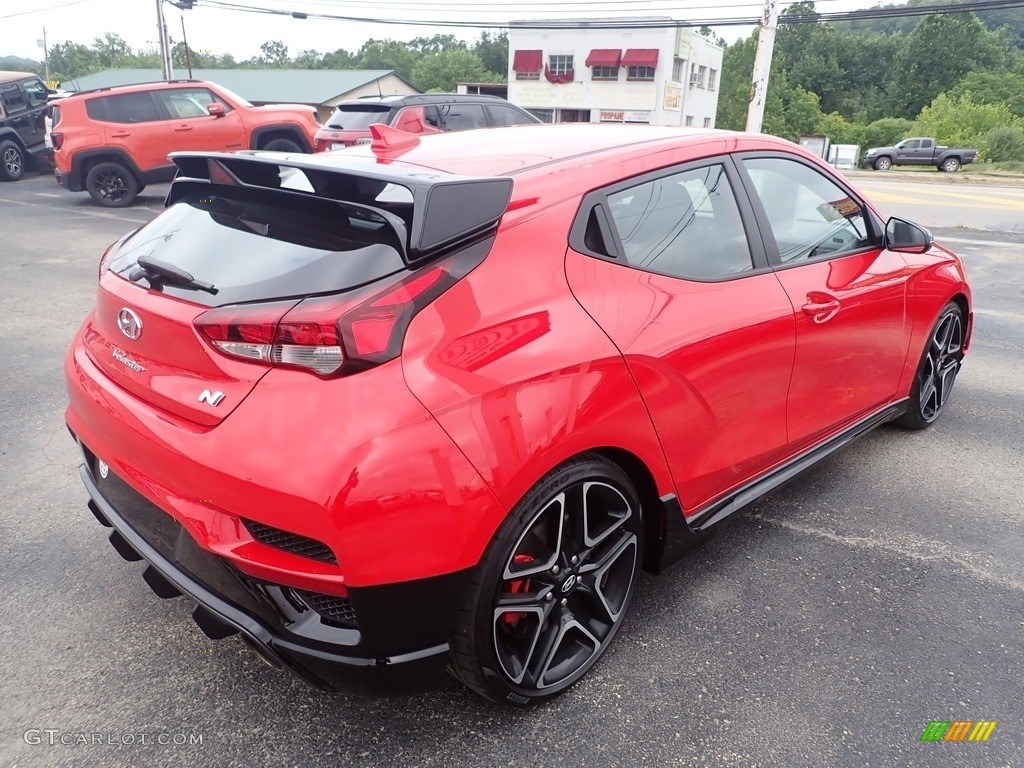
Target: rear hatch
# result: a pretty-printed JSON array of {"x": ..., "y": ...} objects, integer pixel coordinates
[
  {"x": 350, "y": 124},
  {"x": 236, "y": 277}
]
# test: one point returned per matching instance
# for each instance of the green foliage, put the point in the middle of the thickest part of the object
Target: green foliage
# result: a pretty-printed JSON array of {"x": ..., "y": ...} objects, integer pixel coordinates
[
  {"x": 993, "y": 88},
  {"x": 1004, "y": 143},
  {"x": 387, "y": 54},
  {"x": 443, "y": 71},
  {"x": 961, "y": 122},
  {"x": 493, "y": 52},
  {"x": 940, "y": 51}
]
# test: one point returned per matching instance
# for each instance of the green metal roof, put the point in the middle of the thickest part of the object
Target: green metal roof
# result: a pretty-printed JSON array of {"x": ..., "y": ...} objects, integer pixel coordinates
[{"x": 298, "y": 86}]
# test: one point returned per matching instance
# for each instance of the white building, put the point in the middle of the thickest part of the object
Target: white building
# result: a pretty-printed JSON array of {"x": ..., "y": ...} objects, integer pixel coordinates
[{"x": 661, "y": 76}]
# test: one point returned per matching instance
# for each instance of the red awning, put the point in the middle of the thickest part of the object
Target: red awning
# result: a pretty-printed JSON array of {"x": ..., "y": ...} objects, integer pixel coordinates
[
  {"x": 605, "y": 57},
  {"x": 527, "y": 61},
  {"x": 640, "y": 57}
]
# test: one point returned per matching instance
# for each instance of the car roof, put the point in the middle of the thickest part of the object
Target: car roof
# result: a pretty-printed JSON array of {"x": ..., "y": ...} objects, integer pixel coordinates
[
  {"x": 541, "y": 157},
  {"x": 7, "y": 76},
  {"x": 426, "y": 98},
  {"x": 135, "y": 87}
]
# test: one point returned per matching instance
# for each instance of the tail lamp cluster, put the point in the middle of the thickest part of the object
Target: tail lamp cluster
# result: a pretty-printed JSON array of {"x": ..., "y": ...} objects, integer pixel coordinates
[{"x": 328, "y": 335}]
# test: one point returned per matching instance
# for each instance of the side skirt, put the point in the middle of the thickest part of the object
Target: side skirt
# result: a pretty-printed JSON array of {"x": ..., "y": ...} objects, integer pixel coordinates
[{"x": 680, "y": 535}]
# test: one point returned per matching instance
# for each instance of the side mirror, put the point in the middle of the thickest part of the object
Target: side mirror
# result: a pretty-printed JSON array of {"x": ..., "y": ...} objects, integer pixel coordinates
[
  {"x": 906, "y": 237},
  {"x": 215, "y": 109}
]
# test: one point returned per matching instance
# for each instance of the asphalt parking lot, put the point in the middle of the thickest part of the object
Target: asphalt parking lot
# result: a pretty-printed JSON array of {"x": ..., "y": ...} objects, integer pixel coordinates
[{"x": 826, "y": 626}]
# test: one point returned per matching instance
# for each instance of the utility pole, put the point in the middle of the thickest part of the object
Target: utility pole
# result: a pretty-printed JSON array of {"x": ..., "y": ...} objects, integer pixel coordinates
[
  {"x": 46, "y": 58},
  {"x": 184, "y": 40},
  {"x": 762, "y": 65},
  {"x": 166, "y": 64}
]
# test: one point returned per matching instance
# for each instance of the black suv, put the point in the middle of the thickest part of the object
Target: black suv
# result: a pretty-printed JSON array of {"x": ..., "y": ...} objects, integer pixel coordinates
[
  {"x": 23, "y": 108},
  {"x": 420, "y": 113}
]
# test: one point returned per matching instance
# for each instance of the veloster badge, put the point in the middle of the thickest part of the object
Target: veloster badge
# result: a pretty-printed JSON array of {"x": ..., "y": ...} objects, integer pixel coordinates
[{"x": 122, "y": 358}]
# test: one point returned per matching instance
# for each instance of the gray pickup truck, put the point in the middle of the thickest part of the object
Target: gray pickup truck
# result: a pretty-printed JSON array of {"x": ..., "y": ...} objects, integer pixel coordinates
[{"x": 920, "y": 151}]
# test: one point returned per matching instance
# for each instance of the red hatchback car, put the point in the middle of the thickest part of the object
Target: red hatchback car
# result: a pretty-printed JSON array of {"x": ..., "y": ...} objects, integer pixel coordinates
[{"x": 434, "y": 402}]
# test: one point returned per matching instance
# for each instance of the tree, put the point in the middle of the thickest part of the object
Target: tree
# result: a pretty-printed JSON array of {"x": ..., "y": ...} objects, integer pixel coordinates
[
  {"x": 961, "y": 122},
  {"x": 443, "y": 71},
  {"x": 70, "y": 60},
  {"x": 274, "y": 53},
  {"x": 436, "y": 44},
  {"x": 940, "y": 51},
  {"x": 493, "y": 52},
  {"x": 113, "y": 52},
  {"x": 993, "y": 88},
  {"x": 308, "y": 59},
  {"x": 387, "y": 54}
]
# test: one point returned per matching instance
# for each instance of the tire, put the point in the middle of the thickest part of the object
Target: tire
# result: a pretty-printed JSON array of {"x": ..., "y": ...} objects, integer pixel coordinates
[
  {"x": 282, "y": 145},
  {"x": 12, "y": 161},
  {"x": 950, "y": 165},
  {"x": 111, "y": 185},
  {"x": 883, "y": 164},
  {"x": 937, "y": 371},
  {"x": 551, "y": 591}
]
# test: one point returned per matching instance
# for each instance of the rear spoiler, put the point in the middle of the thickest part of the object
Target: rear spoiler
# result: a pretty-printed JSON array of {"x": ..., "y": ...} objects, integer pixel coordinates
[{"x": 444, "y": 210}]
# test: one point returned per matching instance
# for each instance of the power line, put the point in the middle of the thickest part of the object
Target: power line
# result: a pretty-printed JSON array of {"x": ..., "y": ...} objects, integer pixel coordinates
[
  {"x": 970, "y": 6},
  {"x": 43, "y": 10}
]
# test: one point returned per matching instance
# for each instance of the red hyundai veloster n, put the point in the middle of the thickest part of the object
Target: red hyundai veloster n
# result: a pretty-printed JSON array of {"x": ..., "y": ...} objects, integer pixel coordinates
[{"x": 433, "y": 403}]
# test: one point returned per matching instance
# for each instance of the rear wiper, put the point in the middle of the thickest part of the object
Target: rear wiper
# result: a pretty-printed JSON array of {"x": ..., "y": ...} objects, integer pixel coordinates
[
  {"x": 157, "y": 271},
  {"x": 336, "y": 127}
]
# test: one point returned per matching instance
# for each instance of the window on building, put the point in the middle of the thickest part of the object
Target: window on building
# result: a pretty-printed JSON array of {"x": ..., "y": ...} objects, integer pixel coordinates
[
  {"x": 574, "y": 115},
  {"x": 712, "y": 79},
  {"x": 702, "y": 73},
  {"x": 640, "y": 73},
  {"x": 605, "y": 73},
  {"x": 707, "y": 122},
  {"x": 527, "y": 64},
  {"x": 544, "y": 115},
  {"x": 678, "y": 70},
  {"x": 560, "y": 65},
  {"x": 689, "y": 120}
]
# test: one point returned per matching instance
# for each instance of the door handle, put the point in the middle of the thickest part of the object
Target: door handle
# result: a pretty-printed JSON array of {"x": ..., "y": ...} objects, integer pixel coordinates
[
  {"x": 183, "y": 128},
  {"x": 120, "y": 134},
  {"x": 821, "y": 307}
]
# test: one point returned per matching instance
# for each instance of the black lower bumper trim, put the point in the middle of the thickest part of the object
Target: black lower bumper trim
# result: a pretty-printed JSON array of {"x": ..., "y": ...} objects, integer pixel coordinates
[{"x": 388, "y": 674}]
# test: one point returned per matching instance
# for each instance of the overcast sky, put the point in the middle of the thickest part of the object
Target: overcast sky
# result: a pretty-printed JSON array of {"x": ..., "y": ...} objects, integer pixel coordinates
[{"x": 223, "y": 31}]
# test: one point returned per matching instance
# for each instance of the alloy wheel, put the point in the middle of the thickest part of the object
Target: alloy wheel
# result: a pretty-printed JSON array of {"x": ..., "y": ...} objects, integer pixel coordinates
[
  {"x": 942, "y": 362},
  {"x": 565, "y": 586},
  {"x": 12, "y": 162},
  {"x": 111, "y": 185}
]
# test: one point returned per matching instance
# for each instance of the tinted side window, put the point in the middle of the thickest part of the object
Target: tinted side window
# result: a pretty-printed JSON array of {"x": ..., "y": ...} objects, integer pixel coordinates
[
  {"x": 123, "y": 108},
  {"x": 686, "y": 225},
  {"x": 809, "y": 215},
  {"x": 462, "y": 117},
  {"x": 35, "y": 91},
  {"x": 12, "y": 98},
  {"x": 501, "y": 115},
  {"x": 183, "y": 103}
]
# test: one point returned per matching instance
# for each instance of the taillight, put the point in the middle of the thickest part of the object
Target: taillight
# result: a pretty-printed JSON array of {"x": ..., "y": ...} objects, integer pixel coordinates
[
  {"x": 57, "y": 139},
  {"x": 321, "y": 145},
  {"x": 331, "y": 335}
]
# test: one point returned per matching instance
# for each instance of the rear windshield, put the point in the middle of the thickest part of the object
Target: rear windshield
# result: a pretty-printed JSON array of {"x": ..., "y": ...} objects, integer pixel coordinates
[
  {"x": 359, "y": 117},
  {"x": 254, "y": 245}
]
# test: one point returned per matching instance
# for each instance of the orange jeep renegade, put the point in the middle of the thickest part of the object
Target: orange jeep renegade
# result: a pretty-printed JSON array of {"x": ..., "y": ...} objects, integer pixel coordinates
[{"x": 112, "y": 142}]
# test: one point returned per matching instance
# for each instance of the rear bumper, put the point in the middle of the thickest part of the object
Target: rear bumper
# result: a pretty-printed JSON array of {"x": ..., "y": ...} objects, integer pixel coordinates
[
  {"x": 69, "y": 181},
  {"x": 227, "y": 603}
]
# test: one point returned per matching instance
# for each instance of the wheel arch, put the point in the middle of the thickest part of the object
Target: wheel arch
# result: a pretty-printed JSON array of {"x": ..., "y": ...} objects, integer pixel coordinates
[
  {"x": 266, "y": 133},
  {"x": 9, "y": 134}
]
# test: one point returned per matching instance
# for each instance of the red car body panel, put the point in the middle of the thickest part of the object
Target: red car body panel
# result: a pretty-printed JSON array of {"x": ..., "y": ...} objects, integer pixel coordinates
[{"x": 406, "y": 470}]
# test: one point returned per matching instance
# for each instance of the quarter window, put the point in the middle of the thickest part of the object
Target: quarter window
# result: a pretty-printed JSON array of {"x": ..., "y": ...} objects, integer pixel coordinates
[
  {"x": 810, "y": 216},
  {"x": 686, "y": 225}
]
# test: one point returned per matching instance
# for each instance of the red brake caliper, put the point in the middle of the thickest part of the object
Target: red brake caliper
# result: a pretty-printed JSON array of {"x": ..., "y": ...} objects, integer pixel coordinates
[{"x": 518, "y": 585}]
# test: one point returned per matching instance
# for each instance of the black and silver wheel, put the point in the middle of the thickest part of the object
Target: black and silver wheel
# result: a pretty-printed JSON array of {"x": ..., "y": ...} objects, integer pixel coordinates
[
  {"x": 937, "y": 372},
  {"x": 12, "y": 161},
  {"x": 111, "y": 185},
  {"x": 282, "y": 145},
  {"x": 883, "y": 164},
  {"x": 950, "y": 165},
  {"x": 553, "y": 587}
]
